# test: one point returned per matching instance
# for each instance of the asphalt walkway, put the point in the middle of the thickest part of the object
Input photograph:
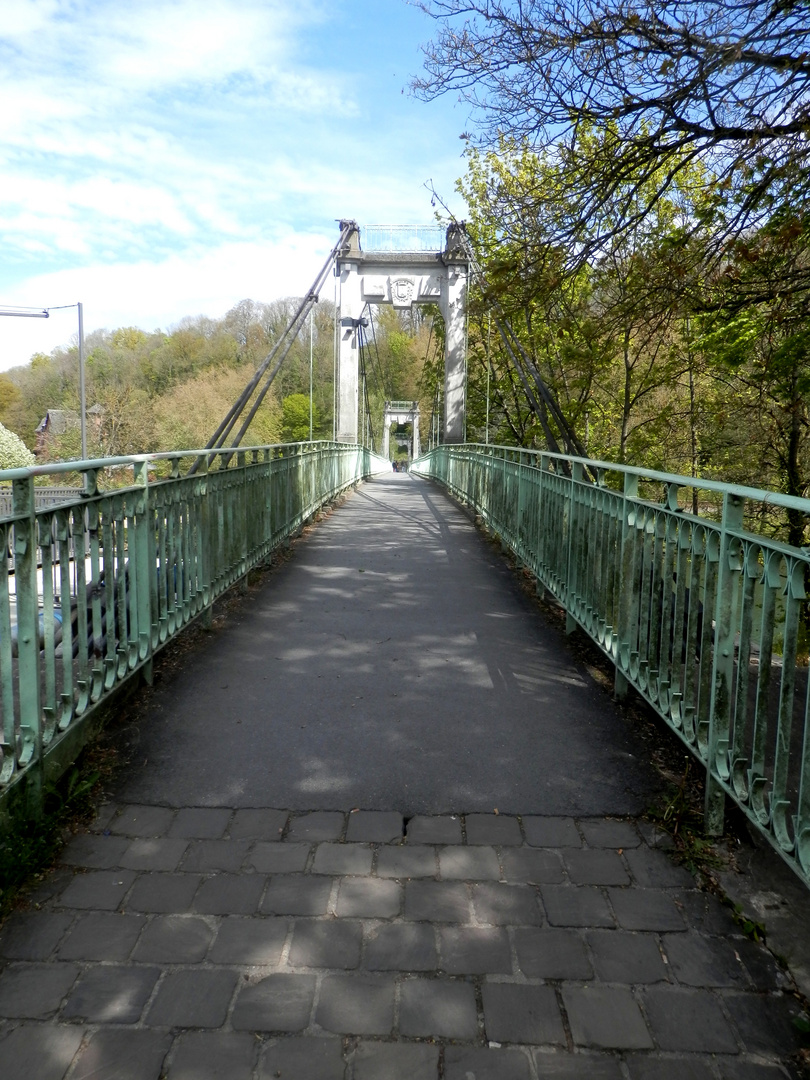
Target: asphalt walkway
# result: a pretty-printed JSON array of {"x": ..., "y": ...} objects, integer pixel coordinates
[{"x": 381, "y": 826}]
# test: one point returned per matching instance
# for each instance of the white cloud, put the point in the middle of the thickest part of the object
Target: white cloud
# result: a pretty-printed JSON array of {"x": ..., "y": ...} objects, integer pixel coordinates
[
  {"x": 160, "y": 158},
  {"x": 208, "y": 281}
]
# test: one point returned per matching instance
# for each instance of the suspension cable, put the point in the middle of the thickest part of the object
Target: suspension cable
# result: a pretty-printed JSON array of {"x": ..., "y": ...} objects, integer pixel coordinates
[{"x": 282, "y": 345}]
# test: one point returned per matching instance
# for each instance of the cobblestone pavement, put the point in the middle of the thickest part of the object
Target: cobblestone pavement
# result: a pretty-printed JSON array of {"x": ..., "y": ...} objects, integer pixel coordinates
[{"x": 252, "y": 944}]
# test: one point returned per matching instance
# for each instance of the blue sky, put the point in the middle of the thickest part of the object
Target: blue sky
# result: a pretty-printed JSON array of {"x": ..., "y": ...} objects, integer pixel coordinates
[{"x": 164, "y": 158}]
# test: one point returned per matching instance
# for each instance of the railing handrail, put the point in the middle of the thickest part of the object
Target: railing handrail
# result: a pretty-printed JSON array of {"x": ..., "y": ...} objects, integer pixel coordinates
[
  {"x": 57, "y": 467},
  {"x": 769, "y": 498}
]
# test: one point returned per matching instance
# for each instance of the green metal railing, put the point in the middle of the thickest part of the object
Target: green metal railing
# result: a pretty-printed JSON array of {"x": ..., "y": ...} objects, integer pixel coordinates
[
  {"x": 701, "y": 614},
  {"x": 157, "y": 553}
]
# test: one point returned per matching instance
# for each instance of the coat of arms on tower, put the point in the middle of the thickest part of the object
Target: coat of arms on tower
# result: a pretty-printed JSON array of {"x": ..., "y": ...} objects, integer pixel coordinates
[{"x": 402, "y": 292}]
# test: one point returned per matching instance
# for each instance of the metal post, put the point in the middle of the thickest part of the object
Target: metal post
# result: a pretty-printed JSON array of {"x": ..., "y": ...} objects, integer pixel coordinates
[
  {"x": 82, "y": 402},
  {"x": 311, "y": 317}
]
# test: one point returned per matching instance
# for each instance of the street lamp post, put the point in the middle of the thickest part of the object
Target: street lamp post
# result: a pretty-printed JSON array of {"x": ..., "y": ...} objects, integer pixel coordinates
[{"x": 44, "y": 313}]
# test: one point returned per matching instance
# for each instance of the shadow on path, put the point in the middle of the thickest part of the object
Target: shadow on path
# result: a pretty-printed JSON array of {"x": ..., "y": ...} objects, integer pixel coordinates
[{"x": 393, "y": 664}]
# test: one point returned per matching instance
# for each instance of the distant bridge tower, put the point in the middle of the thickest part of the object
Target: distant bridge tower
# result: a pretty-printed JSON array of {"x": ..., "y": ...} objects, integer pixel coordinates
[
  {"x": 401, "y": 412},
  {"x": 400, "y": 269}
]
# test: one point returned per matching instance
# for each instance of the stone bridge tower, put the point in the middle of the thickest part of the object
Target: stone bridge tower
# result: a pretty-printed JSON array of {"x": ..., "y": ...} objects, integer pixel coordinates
[{"x": 402, "y": 279}]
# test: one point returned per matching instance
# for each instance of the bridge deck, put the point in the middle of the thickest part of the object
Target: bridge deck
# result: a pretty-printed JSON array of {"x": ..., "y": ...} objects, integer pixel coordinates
[{"x": 303, "y": 875}]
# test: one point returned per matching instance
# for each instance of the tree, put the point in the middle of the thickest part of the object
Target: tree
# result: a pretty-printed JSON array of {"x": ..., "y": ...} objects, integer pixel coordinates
[
  {"x": 295, "y": 419},
  {"x": 724, "y": 83},
  {"x": 14, "y": 454}
]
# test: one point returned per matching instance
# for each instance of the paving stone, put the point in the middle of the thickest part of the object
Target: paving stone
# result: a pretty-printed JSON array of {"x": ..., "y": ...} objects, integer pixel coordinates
[
  {"x": 506, "y": 905},
  {"x": 208, "y": 855},
  {"x": 174, "y": 939},
  {"x": 33, "y": 935},
  {"x": 94, "y": 852},
  {"x": 196, "y": 998},
  {"x": 213, "y": 1055},
  {"x": 274, "y": 858},
  {"x": 111, "y": 994},
  {"x": 104, "y": 815},
  {"x": 200, "y": 823},
  {"x": 688, "y": 1021},
  {"x": 764, "y": 1022},
  {"x": 164, "y": 894},
  {"x": 605, "y": 1017},
  {"x": 437, "y": 1007},
  {"x": 341, "y": 859},
  {"x": 533, "y": 865},
  {"x": 375, "y": 827},
  {"x": 400, "y": 947},
  {"x": 645, "y": 1067},
  {"x": 49, "y": 888},
  {"x": 34, "y": 991},
  {"x": 595, "y": 866},
  {"x": 469, "y": 864},
  {"x": 622, "y": 957},
  {"x": 302, "y": 1058},
  {"x": 475, "y": 950},
  {"x": 407, "y": 862},
  {"x": 560, "y": 1065},
  {"x": 102, "y": 936},
  {"x": 252, "y": 942},
  {"x": 395, "y": 1061},
  {"x": 39, "y": 1052},
  {"x": 101, "y": 889},
  {"x": 250, "y": 824},
  {"x": 326, "y": 943},
  {"x": 551, "y": 832},
  {"x": 607, "y": 833},
  {"x": 278, "y": 1003},
  {"x": 499, "y": 829},
  {"x": 706, "y": 913},
  {"x": 297, "y": 894},
  {"x": 154, "y": 853},
  {"x": 142, "y": 821},
  {"x": 734, "y": 1069},
  {"x": 122, "y": 1054},
  {"x": 481, "y": 1063},
  {"x": 647, "y": 909},
  {"x": 521, "y": 1013},
  {"x": 321, "y": 825},
  {"x": 655, "y": 837},
  {"x": 229, "y": 894},
  {"x": 369, "y": 898},
  {"x": 552, "y": 954},
  {"x": 575, "y": 905},
  {"x": 762, "y": 966},
  {"x": 434, "y": 830},
  {"x": 437, "y": 901},
  {"x": 356, "y": 1004},
  {"x": 704, "y": 961},
  {"x": 655, "y": 869}
]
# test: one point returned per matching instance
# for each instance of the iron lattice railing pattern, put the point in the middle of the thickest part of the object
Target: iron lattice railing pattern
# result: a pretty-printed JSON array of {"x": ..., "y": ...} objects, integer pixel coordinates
[
  {"x": 699, "y": 613},
  {"x": 158, "y": 552}
]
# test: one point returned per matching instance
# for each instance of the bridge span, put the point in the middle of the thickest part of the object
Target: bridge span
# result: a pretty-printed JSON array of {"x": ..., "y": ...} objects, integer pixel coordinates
[{"x": 378, "y": 822}]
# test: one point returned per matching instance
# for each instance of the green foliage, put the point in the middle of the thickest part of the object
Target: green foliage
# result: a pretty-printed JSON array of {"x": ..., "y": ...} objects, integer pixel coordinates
[
  {"x": 295, "y": 419},
  {"x": 751, "y": 928},
  {"x": 14, "y": 454}
]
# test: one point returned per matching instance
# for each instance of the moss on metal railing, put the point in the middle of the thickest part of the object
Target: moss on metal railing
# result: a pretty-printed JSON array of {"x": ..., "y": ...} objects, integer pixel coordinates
[
  {"x": 705, "y": 617},
  {"x": 97, "y": 584}
]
